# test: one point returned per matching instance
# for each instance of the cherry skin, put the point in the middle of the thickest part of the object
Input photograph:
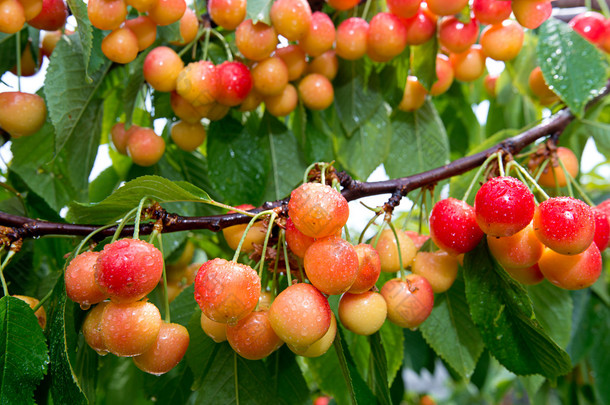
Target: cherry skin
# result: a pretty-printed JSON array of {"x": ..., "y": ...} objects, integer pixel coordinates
[
  {"x": 318, "y": 210},
  {"x": 107, "y": 14},
  {"x": 166, "y": 352},
  {"x": 215, "y": 330},
  {"x": 351, "y": 38},
  {"x": 520, "y": 250},
  {"x": 295, "y": 59},
  {"x": 320, "y": 346},
  {"x": 255, "y": 41},
  {"x": 564, "y": 224},
  {"x": 12, "y": 16},
  {"x": 52, "y": 17},
  {"x": 121, "y": 45},
  {"x": 188, "y": 28},
  {"x": 403, "y": 8},
  {"x": 421, "y": 27},
  {"x": 490, "y": 83},
  {"x": 183, "y": 109},
  {"x": 446, "y": 7},
  {"x": 270, "y": 76},
  {"x": 284, "y": 103},
  {"x": 342, "y": 5},
  {"x": 198, "y": 83},
  {"x": 604, "y": 207},
  {"x": 602, "y": 229},
  {"x": 553, "y": 174},
  {"x": 145, "y": 30},
  {"x": 526, "y": 275},
  {"x": 234, "y": 82},
  {"x": 414, "y": 95},
  {"x": 491, "y": 11},
  {"x": 80, "y": 280},
  {"x": 457, "y": 36},
  {"x": 502, "y": 41},
  {"x": 291, "y": 18},
  {"x": 363, "y": 314},
  {"x": 213, "y": 111},
  {"x": 409, "y": 302},
  {"x": 418, "y": 239},
  {"x": 453, "y": 226},
  {"x": 40, "y": 313},
  {"x": 540, "y": 88},
  {"x": 590, "y": 25},
  {"x": 326, "y": 64},
  {"x": 256, "y": 234},
  {"x": 31, "y": 8},
  {"x": 227, "y": 13},
  {"x": 316, "y": 91},
  {"x": 166, "y": 12},
  {"x": 161, "y": 68},
  {"x": 21, "y": 114},
  {"x": 320, "y": 36},
  {"x": 388, "y": 251},
  {"x": 444, "y": 75},
  {"x": 187, "y": 136},
  {"x": 331, "y": 264},
  {"x": 128, "y": 269},
  {"x": 572, "y": 272},
  {"x": 143, "y": 6},
  {"x": 253, "y": 337},
  {"x": 387, "y": 37},
  {"x": 470, "y": 65},
  {"x": 252, "y": 101},
  {"x": 531, "y": 13},
  {"x": 92, "y": 328},
  {"x": 118, "y": 134},
  {"x": 226, "y": 291},
  {"x": 49, "y": 42},
  {"x": 297, "y": 241},
  {"x": 144, "y": 147},
  {"x": 439, "y": 268},
  {"x": 300, "y": 315},
  {"x": 369, "y": 268},
  {"x": 504, "y": 206},
  {"x": 130, "y": 329}
]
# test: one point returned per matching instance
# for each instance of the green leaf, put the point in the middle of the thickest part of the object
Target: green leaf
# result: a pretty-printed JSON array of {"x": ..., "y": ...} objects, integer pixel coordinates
[
  {"x": 71, "y": 98},
  {"x": 573, "y": 67},
  {"x": 318, "y": 144},
  {"x": 285, "y": 160},
  {"x": 368, "y": 146},
  {"x": 290, "y": 386},
  {"x": 424, "y": 62},
  {"x": 237, "y": 162},
  {"x": 392, "y": 337},
  {"x": 169, "y": 33},
  {"x": 129, "y": 195},
  {"x": 449, "y": 330},
  {"x": 202, "y": 351},
  {"x": 553, "y": 309},
  {"x": 183, "y": 307},
  {"x": 419, "y": 142},
  {"x": 600, "y": 352},
  {"x": 135, "y": 81},
  {"x": 600, "y": 131},
  {"x": 379, "y": 370},
  {"x": 357, "y": 99},
  {"x": 394, "y": 77},
  {"x": 503, "y": 312},
  {"x": 90, "y": 38},
  {"x": 23, "y": 352},
  {"x": 258, "y": 10}
]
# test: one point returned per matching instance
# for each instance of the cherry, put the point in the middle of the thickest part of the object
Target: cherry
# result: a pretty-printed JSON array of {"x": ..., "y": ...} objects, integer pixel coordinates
[
  {"x": 284, "y": 103},
  {"x": 215, "y": 330},
  {"x": 295, "y": 59},
  {"x": 320, "y": 346},
  {"x": 331, "y": 264},
  {"x": 226, "y": 291},
  {"x": 92, "y": 328},
  {"x": 183, "y": 109},
  {"x": 318, "y": 210},
  {"x": 490, "y": 81},
  {"x": 300, "y": 315},
  {"x": 342, "y": 5},
  {"x": 118, "y": 134},
  {"x": 270, "y": 76},
  {"x": 387, "y": 37},
  {"x": 130, "y": 329},
  {"x": 234, "y": 82},
  {"x": 520, "y": 250},
  {"x": 107, "y": 14},
  {"x": 31, "y": 8},
  {"x": 12, "y": 16},
  {"x": 297, "y": 241},
  {"x": 166, "y": 12},
  {"x": 414, "y": 95},
  {"x": 291, "y": 18},
  {"x": 253, "y": 337},
  {"x": 453, "y": 226},
  {"x": 388, "y": 251},
  {"x": 470, "y": 65},
  {"x": 128, "y": 269},
  {"x": 40, "y": 313},
  {"x": 213, "y": 111},
  {"x": 161, "y": 68},
  {"x": 326, "y": 64},
  {"x": 80, "y": 280},
  {"x": 572, "y": 272},
  {"x": 409, "y": 302},
  {"x": 189, "y": 25},
  {"x": 265, "y": 300},
  {"x": 251, "y": 102},
  {"x": 564, "y": 224},
  {"x": 403, "y": 8},
  {"x": 446, "y": 7},
  {"x": 369, "y": 268},
  {"x": 363, "y": 314},
  {"x": 444, "y": 75},
  {"x": 144, "y": 147},
  {"x": 21, "y": 114},
  {"x": 502, "y": 41},
  {"x": 351, "y": 38},
  {"x": 316, "y": 91},
  {"x": 52, "y": 17},
  {"x": 187, "y": 136},
  {"x": 256, "y": 234},
  {"x": 145, "y": 30},
  {"x": 421, "y": 27},
  {"x": 491, "y": 11},
  {"x": 526, "y": 275},
  {"x": 504, "y": 206},
  {"x": 29, "y": 67},
  {"x": 553, "y": 173},
  {"x": 439, "y": 268},
  {"x": 227, "y": 13},
  {"x": 590, "y": 24},
  {"x": 49, "y": 41},
  {"x": 198, "y": 83},
  {"x": 541, "y": 89},
  {"x": 121, "y": 45},
  {"x": 255, "y": 41},
  {"x": 457, "y": 36},
  {"x": 166, "y": 352},
  {"x": 531, "y": 13},
  {"x": 320, "y": 36},
  {"x": 602, "y": 229}
]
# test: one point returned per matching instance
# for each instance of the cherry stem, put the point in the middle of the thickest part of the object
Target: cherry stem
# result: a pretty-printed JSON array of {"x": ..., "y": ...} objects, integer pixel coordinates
[
  {"x": 501, "y": 165},
  {"x": 367, "y": 6},
  {"x": 7, "y": 259},
  {"x": 285, "y": 249},
  {"x": 44, "y": 299},
  {"x": 193, "y": 42},
  {"x": 18, "y": 39},
  {"x": 267, "y": 236},
  {"x": 478, "y": 174},
  {"x": 122, "y": 224},
  {"x": 604, "y": 8},
  {"x": 243, "y": 236},
  {"x": 368, "y": 224},
  {"x": 571, "y": 181},
  {"x": 136, "y": 227},
  {"x": 403, "y": 276},
  {"x": 532, "y": 180},
  {"x": 165, "y": 293},
  {"x": 86, "y": 239},
  {"x": 224, "y": 44}
]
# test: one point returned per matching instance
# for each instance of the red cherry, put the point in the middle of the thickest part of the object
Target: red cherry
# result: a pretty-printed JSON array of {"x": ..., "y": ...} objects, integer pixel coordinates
[
  {"x": 590, "y": 25},
  {"x": 602, "y": 229},
  {"x": 453, "y": 226},
  {"x": 234, "y": 82}
]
